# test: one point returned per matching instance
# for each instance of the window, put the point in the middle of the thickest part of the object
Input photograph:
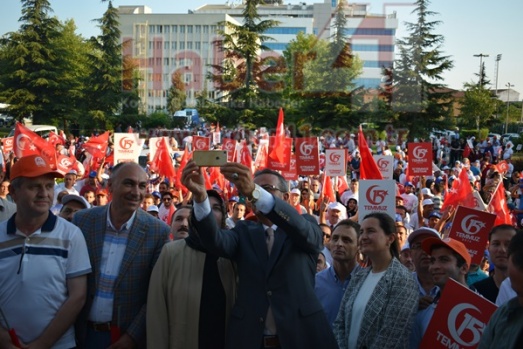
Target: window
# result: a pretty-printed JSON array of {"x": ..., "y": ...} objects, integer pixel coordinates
[
  {"x": 198, "y": 45},
  {"x": 370, "y": 31},
  {"x": 206, "y": 29},
  {"x": 173, "y": 45},
  {"x": 158, "y": 45},
  {"x": 285, "y": 30},
  {"x": 166, "y": 45},
  {"x": 182, "y": 45},
  {"x": 166, "y": 61},
  {"x": 189, "y": 45},
  {"x": 151, "y": 29},
  {"x": 197, "y": 28},
  {"x": 159, "y": 29},
  {"x": 174, "y": 28},
  {"x": 151, "y": 45},
  {"x": 189, "y": 29},
  {"x": 182, "y": 29}
]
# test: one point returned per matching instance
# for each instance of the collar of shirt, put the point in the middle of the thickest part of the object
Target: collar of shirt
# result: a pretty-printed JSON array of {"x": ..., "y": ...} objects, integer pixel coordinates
[
  {"x": 46, "y": 227},
  {"x": 126, "y": 226}
]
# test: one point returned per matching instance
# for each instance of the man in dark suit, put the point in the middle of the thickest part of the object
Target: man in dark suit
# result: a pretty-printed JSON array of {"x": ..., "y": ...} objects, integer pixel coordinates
[
  {"x": 276, "y": 257},
  {"x": 124, "y": 243}
]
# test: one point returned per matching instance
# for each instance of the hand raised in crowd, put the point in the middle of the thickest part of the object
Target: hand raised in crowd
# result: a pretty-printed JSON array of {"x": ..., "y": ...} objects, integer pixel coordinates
[{"x": 192, "y": 178}]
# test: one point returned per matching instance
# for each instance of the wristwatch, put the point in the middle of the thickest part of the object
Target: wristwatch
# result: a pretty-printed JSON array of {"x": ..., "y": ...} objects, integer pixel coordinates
[{"x": 255, "y": 195}]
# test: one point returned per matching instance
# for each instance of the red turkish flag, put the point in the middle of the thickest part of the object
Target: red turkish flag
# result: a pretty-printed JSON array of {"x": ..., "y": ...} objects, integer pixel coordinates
[
  {"x": 217, "y": 177},
  {"x": 342, "y": 184},
  {"x": 207, "y": 178},
  {"x": 229, "y": 145},
  {"x": 201, "y": 143},
  {"x": 27, "y": 142},
  {"x": 244, "y": 156},
  {"x": 460, "y": 193},
  {"x": 368, "y": 167},
  {"x": 185, "y": 159},
  {"x": 498, "y": 206},
  {"x": 8, "y": 144},
  {"x": 262, "y": 156},
  {"x": 279, "y": 140},
  {"x": 501, "y": 167},
  {"x": 64, "y": 164},
  {"x": 55, "y": 139},
  {"x": 162, "y": 162},
  {"x": 327, "y": 189},
  {"x": 97, "y": 145}
]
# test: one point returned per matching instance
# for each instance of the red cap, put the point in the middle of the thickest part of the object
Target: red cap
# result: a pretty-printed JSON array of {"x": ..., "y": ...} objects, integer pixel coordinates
[
  {"x": 32, "y": 166},
  {"x": 454, "y": 245},
  {"x": 101, "y": 192}
]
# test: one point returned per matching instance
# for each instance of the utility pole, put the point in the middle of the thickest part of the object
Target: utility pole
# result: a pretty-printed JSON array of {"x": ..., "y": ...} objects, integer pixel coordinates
[
  {"x": 481, "y": 55},
  {"x": 509, "y": 85},
  {"x": 498, "y": 58}
]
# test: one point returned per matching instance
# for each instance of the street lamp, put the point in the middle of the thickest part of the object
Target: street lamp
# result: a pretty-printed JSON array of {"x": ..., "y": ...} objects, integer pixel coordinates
[
  {"x": 481, "y": 55},
  {"x": 509, "y": 85}
]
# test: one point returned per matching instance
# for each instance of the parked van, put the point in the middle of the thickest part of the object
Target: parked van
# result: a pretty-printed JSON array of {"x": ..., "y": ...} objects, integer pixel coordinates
[{"x": 41, "y": 130}]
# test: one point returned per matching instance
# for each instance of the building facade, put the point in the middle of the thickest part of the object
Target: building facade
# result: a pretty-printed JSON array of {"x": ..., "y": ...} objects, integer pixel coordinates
[{"x": 166, "y": 43}]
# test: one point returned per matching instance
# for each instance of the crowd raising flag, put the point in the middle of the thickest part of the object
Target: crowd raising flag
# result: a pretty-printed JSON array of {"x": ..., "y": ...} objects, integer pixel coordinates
[
  {"x": 498, "y": 206},
  {"x": 368, "y": 167},
  {"x": 27, "y": 142},
  {"x": 97, "y": 145},
  {"x": 461, "y": 192}
]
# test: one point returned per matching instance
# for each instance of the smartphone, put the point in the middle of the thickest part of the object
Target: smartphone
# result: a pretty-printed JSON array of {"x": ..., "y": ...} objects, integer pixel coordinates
[{"x": 210, "y": 158}]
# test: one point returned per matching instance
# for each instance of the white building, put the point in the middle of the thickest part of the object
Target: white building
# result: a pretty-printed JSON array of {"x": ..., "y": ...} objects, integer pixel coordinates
[{"x": 166, "y": 43}]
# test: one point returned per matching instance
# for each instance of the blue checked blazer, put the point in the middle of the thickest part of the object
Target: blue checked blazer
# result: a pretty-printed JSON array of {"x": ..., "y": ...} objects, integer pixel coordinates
[{"x": 146, "y": 239}]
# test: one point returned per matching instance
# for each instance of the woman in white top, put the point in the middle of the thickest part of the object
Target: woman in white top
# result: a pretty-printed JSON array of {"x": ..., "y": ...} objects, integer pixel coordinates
[{"x": 380, "y": 303}]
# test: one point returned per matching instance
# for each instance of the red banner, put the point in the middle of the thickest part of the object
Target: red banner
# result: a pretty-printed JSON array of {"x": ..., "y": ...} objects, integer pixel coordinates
[
  {"x": 459, "y": 318},
  {"x": 8, "y": 144},
  {"x": 64, "y": 164},
  {"x": 275, "y": 164},
  {"x": 28, "y": 142},
  {"x": 229, "y": 145},
  {"x": 307, "y": 156},
  {"x": 292, "y": 173},
  {"x": 201, "y": 143},
  {"x": 420, "y": 159},
  {"x": 472, "y": 227}
]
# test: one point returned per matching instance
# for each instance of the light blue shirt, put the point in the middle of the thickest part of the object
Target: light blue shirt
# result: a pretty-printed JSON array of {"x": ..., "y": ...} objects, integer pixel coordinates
[
  {"x": 330, "y": 290},
  {"x": 115, "y": 243}
]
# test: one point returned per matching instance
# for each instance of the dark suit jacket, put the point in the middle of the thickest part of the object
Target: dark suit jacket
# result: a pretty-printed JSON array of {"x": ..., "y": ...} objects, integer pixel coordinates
[
  {"x": 146, "y": 239},
  {"x": 285, "y": 280}
]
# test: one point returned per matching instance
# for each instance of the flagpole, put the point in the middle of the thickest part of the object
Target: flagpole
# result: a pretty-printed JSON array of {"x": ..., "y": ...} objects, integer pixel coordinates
[{"x": 494, "y": 193}]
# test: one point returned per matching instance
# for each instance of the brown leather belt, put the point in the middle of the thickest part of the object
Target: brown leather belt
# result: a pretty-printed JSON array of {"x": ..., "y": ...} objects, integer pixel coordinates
[
  {"x": 99, "y": 326},
  {"x": 271, "y": 342}
]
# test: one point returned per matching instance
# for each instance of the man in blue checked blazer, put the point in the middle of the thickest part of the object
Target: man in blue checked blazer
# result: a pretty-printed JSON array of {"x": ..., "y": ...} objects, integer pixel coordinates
[
  {"x": 124, "y": 243},
  {"x": 276, "y": 257}
]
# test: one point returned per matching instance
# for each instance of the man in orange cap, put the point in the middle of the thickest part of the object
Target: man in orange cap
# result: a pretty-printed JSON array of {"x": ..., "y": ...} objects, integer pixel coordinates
[
  {"x": 449, "y": 258},
  {"x": 43, "y": 274}
]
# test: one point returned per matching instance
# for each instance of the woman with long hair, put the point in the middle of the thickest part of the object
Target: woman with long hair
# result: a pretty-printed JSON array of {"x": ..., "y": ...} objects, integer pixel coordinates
[{"x": 380, "y": 303}]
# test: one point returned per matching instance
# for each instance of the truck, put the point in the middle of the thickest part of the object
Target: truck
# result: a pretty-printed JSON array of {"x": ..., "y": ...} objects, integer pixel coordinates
[{"x": 190, "y": 117}]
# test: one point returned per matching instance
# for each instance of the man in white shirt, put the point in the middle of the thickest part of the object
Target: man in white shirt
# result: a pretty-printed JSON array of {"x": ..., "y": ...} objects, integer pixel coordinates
[{"x": 410, "y": 200}]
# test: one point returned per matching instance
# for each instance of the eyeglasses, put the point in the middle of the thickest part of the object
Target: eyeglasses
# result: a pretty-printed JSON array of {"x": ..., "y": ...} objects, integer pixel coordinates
[
  {"x": 167, "y": 199},
  {"x": 270, "y": 187},
  {"x": 328, "y": 236}
]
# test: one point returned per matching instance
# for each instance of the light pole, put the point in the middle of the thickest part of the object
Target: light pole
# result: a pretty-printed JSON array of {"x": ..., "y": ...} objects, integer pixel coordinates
[
  {"x": 509, "y": 85},
  {"x": 498, "y": 58},
  {"x": 481, "y": 55}
]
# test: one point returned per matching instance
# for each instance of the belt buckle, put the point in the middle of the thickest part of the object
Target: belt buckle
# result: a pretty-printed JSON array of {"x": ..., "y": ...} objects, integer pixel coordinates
[
  {"x": 271, "y": 342},
  {"x": 102, "y": 326}
]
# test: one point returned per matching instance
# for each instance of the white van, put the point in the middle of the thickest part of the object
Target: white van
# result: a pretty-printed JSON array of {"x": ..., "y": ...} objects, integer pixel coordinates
[{"x": 41, "y": 130}]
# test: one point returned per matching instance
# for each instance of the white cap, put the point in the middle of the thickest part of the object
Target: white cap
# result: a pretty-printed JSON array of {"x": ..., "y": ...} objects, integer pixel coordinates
[
  {"x": 153, "y": 208},
  {"x": 296, "y": 191},
  {"x": 77, "y": 198},
  {"x": 426, "y": 191},
  {"x": 427, "y": 202},
  {"x": 336, "y": 206}
]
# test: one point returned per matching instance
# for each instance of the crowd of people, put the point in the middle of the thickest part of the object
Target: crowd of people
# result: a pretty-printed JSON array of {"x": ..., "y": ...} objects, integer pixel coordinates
[{"x": 123, "y": 257}]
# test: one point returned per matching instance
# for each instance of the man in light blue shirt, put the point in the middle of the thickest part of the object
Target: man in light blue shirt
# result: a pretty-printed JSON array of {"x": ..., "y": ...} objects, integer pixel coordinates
[{"x": 332, "y": 282}]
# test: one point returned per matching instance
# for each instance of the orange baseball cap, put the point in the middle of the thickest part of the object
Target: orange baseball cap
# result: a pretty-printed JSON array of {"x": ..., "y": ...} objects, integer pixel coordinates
[
  {"x": 101, "y": 192},
  {"x": 32, "y": 166},
  {"x": 455, "y": 245}
]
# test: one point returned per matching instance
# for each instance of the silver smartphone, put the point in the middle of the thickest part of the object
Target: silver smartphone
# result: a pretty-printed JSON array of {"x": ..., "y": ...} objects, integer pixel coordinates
[{"x": 210, "y": 158}]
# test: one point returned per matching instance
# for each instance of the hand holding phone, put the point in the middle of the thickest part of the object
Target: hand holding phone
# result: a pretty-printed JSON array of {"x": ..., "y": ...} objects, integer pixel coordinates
[{"x": 210, "y": 158}]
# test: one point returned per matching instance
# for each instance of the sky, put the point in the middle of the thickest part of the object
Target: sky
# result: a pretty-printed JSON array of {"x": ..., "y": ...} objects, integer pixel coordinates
[{"x": 469, "y": 26}]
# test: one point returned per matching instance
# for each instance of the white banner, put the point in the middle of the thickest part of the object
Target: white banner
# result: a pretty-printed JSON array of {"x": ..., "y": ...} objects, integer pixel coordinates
[
  {"x": 127, "y": 147},
  {"x": 377, "y": 196},
  {"x": 335, "y": 162},
  {"x": 385, "y": 164}
]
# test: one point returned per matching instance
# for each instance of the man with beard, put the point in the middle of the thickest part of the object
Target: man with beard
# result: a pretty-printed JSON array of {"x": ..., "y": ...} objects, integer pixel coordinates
[
  {"x": 499, "y": 240},
  {"x": 180, "y": 223},
  {"x": 124, "y": 243},
  {"x": 276, "y": 305},
  {"x": 191, "y": 292},
  {"x": 332, "y": 282}
]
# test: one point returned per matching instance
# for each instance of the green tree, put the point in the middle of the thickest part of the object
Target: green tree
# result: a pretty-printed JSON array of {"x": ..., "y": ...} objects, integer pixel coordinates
[
  {"x": 419, "y": 93},
  {"x": 242, "y": 71},
  {"x": 176, "y": 96},
  {"x": 477, "y": 107},
  {"x": 31, "y": 69},
  {"x": 482, "y": 78},
  {"x": 105, "y": 82}
]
